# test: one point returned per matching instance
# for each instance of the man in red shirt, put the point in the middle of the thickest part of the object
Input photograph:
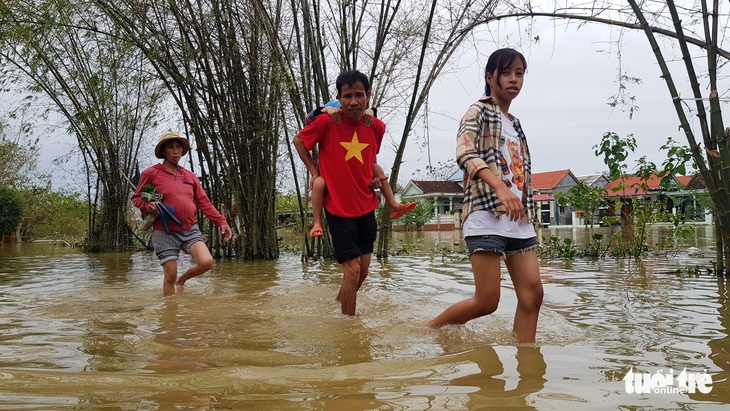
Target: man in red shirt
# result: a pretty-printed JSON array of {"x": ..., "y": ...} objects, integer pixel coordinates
[{"x": 347, "y": 153}]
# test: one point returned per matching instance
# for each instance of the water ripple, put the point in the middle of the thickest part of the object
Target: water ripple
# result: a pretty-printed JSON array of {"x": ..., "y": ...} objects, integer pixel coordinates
[{"x": 94, "y": 329}]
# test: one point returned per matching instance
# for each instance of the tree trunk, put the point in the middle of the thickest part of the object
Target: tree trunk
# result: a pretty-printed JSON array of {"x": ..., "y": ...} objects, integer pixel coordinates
[
  {"x": 716, "y": 169},
  {"x": 216, "y": 63},
  {"x": 102, "y": 89}
]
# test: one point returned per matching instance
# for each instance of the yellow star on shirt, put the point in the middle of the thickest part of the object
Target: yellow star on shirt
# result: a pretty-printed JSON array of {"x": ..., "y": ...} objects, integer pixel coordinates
[{"x": 354, "y": 148}]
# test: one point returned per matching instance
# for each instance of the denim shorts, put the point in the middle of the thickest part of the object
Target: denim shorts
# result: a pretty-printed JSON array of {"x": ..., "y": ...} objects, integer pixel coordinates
[{"x": 498, "y": 244}]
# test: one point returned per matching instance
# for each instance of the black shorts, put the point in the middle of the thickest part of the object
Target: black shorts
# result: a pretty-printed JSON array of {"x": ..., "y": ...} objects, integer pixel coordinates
[{"x": 352, "y": 237}]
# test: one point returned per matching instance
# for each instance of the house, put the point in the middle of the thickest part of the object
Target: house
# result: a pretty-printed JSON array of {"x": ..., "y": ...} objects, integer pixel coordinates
[
  {"x": 446, "y": 197},
  {"x": 696, "y": 182},
  {"x": 595, "y": 180},
  {"x": 684, "y": 180},
  {"x": 628, "y": 186},
  {"x": 685, "y": 199},
  {"x": 545, "y": 186},
  {"x": 681, "y": 197}
]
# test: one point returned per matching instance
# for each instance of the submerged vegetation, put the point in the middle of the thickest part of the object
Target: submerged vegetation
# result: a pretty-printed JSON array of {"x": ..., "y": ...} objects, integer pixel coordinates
[{"x": 633, "y": 208}]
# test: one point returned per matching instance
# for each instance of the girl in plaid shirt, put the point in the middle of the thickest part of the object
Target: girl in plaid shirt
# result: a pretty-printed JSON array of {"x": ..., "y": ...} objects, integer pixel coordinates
[{"x": 498, "y": 207}]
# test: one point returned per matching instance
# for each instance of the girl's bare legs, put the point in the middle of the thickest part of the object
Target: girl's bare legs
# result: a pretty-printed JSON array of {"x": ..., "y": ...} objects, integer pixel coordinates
[
  {"x": 485, "y": 265},
  {"x": 525, "y": 273},
  {"x": 203, "y": 262}
]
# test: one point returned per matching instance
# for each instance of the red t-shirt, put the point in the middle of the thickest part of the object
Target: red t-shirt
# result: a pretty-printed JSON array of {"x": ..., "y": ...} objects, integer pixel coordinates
[{"x": 346, "y": 156}]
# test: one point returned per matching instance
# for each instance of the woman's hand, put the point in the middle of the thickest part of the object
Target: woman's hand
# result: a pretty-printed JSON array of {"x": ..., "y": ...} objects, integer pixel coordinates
[
  {"x": 227, "y": 232},
  {"x": 151, "y": 208}
]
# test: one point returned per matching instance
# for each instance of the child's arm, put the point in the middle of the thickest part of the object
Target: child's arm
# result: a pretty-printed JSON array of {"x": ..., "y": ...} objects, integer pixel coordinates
[
  {"x": 369, "y": 116},
  {"x": 312, "y": 115},
  {"x": 332, "y": 111},
  {"x": 336, "y": 113}
]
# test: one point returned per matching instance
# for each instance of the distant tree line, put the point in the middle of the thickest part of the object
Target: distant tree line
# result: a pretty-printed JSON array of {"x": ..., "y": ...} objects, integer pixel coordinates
[{"x": 29, "y": 208}]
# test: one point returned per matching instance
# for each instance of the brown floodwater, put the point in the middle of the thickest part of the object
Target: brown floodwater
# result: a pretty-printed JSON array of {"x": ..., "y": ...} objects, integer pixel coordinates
[{"x": 86, "y": 331}]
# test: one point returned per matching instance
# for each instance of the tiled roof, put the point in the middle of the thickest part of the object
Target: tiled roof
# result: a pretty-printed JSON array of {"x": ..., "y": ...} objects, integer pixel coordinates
[
  {"x": 548, "y": 180},
  {"x": 696, "y": 183},
  {"x": 542, "y": 197},
  {"x": 683, "y": 180},
  {"x": 427, "y": 186},
  {"x": 633, "y": 185},
  {"x": 589, "y": 178},
  {"x": 593, "y": 179}
]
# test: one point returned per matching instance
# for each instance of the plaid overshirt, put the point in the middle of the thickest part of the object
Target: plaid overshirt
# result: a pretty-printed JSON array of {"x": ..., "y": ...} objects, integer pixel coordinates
[{"x": 477, "y": 147}]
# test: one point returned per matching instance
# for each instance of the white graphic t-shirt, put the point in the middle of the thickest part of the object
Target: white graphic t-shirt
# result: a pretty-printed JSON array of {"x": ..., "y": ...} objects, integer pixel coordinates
[{"x": 484, "y": 222}]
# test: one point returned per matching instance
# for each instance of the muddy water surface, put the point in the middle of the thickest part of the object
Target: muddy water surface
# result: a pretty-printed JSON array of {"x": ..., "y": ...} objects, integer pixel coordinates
[{"x": 81, "y": 331}]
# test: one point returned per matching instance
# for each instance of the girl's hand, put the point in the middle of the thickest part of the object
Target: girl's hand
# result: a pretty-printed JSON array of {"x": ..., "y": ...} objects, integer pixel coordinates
[{"x": 512, "y": 204}]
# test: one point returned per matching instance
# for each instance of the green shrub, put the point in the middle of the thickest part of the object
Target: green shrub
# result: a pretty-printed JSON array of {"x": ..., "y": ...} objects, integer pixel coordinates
[{"x": 11, "y": 210}]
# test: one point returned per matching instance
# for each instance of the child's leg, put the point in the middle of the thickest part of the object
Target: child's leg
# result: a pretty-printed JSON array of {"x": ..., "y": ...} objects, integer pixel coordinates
[
  {"x": 485, "y": 265},
  {"x": 385, "y": 188},
  {"x": 318, "y": 188},
  {"x": 396, "y": 209},
  {"x": 525, "y": 273}
]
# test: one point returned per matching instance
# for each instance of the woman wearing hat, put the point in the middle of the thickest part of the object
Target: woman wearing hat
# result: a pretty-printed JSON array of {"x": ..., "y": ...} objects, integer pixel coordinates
[{"x": 183, "y": 194}]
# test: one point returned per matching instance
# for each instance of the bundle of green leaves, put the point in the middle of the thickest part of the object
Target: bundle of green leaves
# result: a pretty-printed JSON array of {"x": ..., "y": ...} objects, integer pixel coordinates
[{"x": 150, "y": 193}]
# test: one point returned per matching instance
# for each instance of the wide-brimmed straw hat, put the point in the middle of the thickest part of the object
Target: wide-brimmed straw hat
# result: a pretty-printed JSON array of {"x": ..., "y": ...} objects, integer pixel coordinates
[{"x": 167, "y": 136}]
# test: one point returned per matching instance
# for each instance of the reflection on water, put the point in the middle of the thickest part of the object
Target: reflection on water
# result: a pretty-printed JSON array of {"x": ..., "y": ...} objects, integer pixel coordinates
[
  {"x": 93, "y": 331},
  {"x": 720, "y": 346}
]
